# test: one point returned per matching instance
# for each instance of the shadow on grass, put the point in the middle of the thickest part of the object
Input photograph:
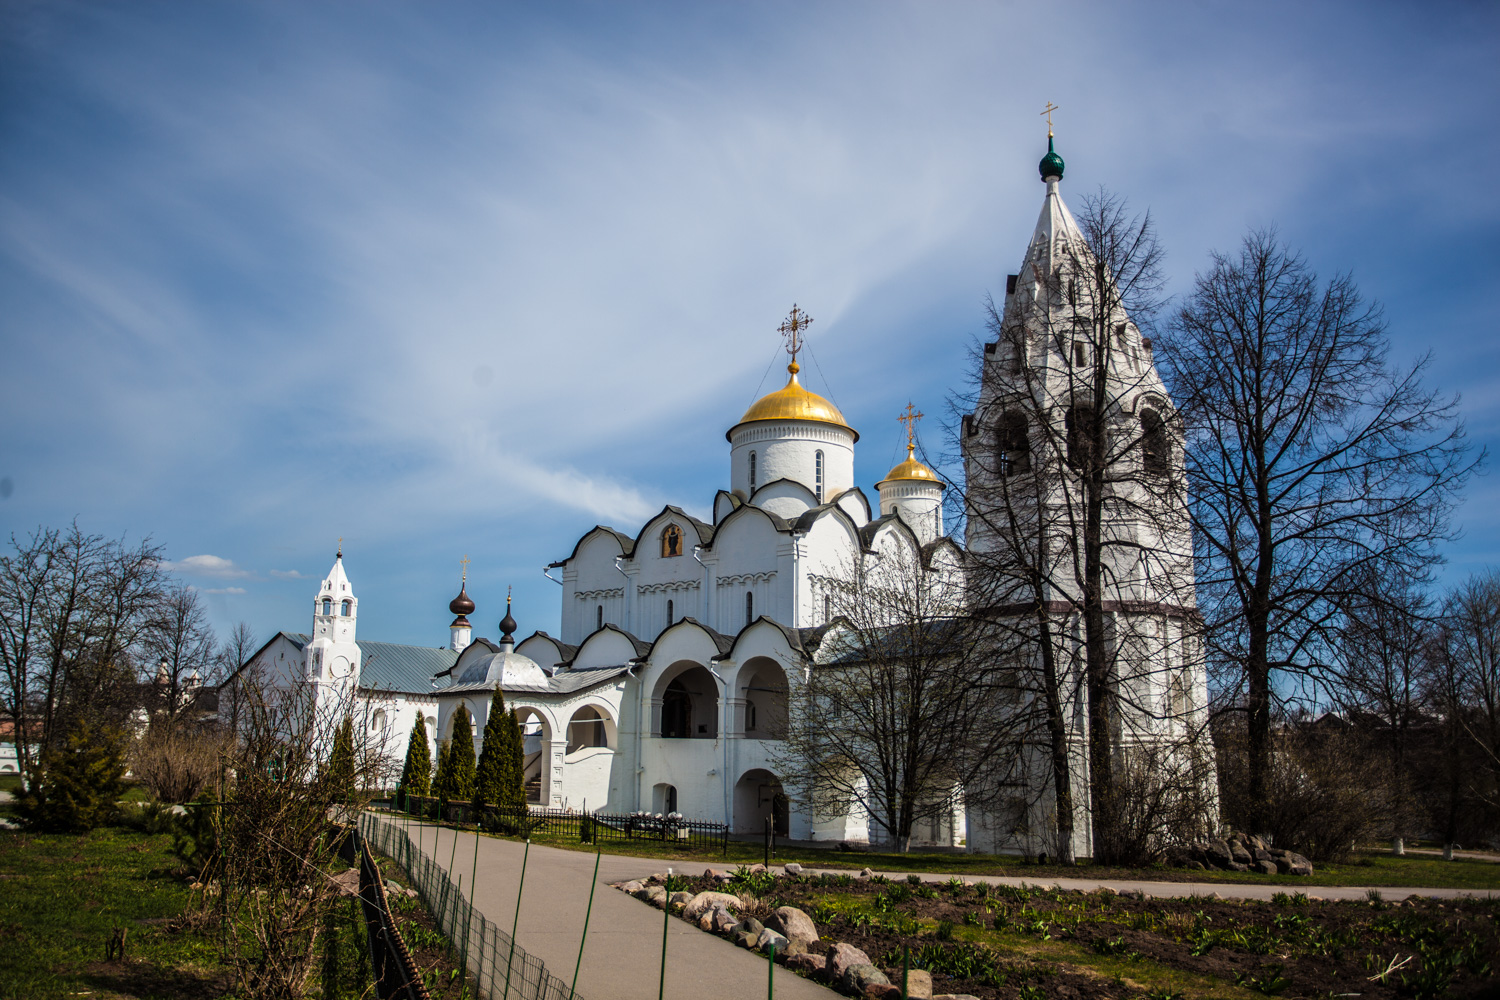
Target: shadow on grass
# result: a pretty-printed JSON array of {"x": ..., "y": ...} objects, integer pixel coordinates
[{"x": 138, "y": 977}]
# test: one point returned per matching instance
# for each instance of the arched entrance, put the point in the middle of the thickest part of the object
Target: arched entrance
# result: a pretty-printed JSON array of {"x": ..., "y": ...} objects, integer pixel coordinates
[
  {"x": 536, "y": 738},
  {"x": 764, "y": 691},
  {"x": 757, "y": 795},
  {"x": 687, "y": 696}
]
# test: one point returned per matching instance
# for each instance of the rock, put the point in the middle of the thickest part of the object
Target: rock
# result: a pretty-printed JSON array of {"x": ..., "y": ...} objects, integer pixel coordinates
[
  {"x": 1235, "y": 866},
  {"x": 794, "y": 924},
  {"x": 793, "y": 947},
  {"x": 1132, "y": 894},
  {"x": 876, "y": 991},
  {"x": 1239, "y": 852},
  {"x": 1260, "y": 854},
  {"x": 705, "y": 901},
  {"x": 1282, "y": 863},
  {"x": 757, "y": 868},
  {"x": 392, "y": 886},
  {"x": 866, "y": 873},
  {"x": 805, "y": 962},
  {"x": 1218, "y": 853},
  {"x": 859, "y": 976},
  {"x": 919, "y": 984},
  {"x": 1297, "y": 864},
  {"x": 792, "y": 869},
  {"x": 1255, "y": 843},
  {"x": 1267, "y": 867},
  {"x": 656, "y": 896},
  {"x": 749, "y": 926},
  {"x": 768, "y": 938},
  {"x": 841, "y": 956},
  {"x": 712, "y": 873},
  {"x": 723, "y": 921},
  {"x": 633, "y": 886},
  {"x": 680, "y": 899},
  {"x": 644, "y": 892},
  {"x": 745, "y": 939},
  {"x": 1216, "y": 897}
]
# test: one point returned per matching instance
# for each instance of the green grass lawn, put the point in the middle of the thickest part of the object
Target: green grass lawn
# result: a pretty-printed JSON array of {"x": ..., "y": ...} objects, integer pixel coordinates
[
  {"x": 61, "y": 898},
  {"x": 1369, "y": 868},
  {"x": 10, "y": 783}
]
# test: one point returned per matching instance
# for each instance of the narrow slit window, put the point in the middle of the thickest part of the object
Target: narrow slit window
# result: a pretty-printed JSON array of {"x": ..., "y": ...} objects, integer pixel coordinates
[
  {"x": 670, "y": 616},
  {"x": 818, "y": 475},
  {"x": 599, "y": 616},
  {"x": 752, "y": 472},
  {"x": 1080, "y": 354},
  {"x": 749, "y": 607},
  {"x": 827, "y": 607}
]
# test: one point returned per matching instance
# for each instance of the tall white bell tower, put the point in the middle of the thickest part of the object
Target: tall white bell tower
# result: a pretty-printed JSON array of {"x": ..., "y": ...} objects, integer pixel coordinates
[{"x": 333, "y": 657}]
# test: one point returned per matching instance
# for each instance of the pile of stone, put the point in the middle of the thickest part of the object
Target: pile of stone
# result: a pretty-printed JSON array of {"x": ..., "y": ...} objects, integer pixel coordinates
[
  {"x": 1236, "y": 853},
  {"x": 789, "y": 930}
]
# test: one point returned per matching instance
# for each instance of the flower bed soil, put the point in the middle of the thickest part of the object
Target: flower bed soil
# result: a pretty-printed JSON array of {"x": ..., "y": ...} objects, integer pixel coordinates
[{"x": 1029, "y": 943}]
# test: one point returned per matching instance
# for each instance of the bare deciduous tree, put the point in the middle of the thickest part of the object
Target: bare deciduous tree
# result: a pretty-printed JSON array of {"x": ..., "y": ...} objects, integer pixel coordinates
[{"x": 1310, "y": 459}]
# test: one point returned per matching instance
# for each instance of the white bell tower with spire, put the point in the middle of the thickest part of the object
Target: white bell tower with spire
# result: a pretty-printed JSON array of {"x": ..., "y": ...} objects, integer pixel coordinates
[{"x": 333, "y": 657}]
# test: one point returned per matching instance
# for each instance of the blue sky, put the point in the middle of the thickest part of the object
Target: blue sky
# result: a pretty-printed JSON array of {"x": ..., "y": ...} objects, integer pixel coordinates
[{"x": 451, "y": 279}]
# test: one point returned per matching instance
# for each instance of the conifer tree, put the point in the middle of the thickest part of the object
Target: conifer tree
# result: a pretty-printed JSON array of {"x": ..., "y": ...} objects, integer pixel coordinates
[
  {"x": 513, "y": 787},
  {"x": 416, "y": 775},
  {"x": 494, "y": 757},
  {"x": 442, "y": 785},
  {"x": 74, "y": 787},
  {"x": 461, "y": 757},
  {"x": 341, "y": 763}
]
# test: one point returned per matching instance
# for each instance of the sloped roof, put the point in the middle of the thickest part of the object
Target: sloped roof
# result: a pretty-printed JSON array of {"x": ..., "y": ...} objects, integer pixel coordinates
[{"x": 392, "y": 666}]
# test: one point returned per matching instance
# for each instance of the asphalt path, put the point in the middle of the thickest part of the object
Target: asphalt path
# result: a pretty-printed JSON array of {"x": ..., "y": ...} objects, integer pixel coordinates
[{"x": 622, "y": 956}]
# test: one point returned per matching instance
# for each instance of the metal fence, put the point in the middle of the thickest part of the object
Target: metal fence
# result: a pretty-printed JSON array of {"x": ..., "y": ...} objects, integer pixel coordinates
[
  {"x": 503, "y": 969},
  {"x": 396, "y": 975},
  {"x": 602, "y": 828}
]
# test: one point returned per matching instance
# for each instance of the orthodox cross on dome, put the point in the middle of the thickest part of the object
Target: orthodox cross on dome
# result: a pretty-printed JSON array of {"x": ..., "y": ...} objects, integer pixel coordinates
[
  {"x": 340, "y": 553},
  {"x": 1048, "y": 112},
  {"x": 909, "y": 418},
  {"x": 464, "y": 565},
  {"x": 794, "y": 329}
]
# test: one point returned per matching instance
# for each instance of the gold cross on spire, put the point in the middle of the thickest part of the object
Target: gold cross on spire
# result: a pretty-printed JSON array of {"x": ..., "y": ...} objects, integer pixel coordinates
[
  {"x": 909, "y": 418},
  {"x": 341, "y": 547},
  {"x": 1048, "y": 112},
  {"x": 794, "y": 328},
  {"x": 464, "y": 562}
]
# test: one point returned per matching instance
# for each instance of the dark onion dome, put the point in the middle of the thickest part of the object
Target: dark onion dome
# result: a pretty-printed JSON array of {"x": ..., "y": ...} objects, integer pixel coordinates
[
  {"x": 507, "y": 624},
  {"x": 462, "y": 604},
  {"x": 1052, "y": 164}
]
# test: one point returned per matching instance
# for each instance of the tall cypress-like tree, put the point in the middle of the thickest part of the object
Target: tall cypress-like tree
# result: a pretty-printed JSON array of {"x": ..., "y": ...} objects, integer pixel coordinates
[
  {"x": 442, "y": 785},
  {"x": 461, "y": 757},
  {"x": 513, "y": 782},
  {"x": 494, "y": 756},
  {"x": 341, "y": 763},
  {"x": 416, "y": 775}
]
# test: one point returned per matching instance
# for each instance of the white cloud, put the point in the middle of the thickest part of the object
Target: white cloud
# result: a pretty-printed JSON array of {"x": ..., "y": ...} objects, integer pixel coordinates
[
  {"x": 287, "y": 574},
  {"x": 226, "y": 590},
  {"x": 206, "y": 565}
]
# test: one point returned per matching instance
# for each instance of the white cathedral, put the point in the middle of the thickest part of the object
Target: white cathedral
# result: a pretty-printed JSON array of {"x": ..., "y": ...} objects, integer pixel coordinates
[{"x": 679, "y": 644}]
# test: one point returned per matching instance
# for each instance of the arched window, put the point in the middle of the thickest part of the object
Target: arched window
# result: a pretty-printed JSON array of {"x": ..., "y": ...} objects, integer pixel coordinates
[
  {"x": 750, "y": 719},
  {"x": 377, "y": 721},
  {"x": 671, "y": 541},
  {"x": 1156, "y": 447},
  {"x": 671, "y": 616},
  {"x": 344, "y": 609},
  {"x": 599, "y": 616},
  {"x": 752, "y": 472},
  {"x": 827, "y": 606},
  {"x": 327, "y": 606},
  {"x": 1012, "y": 446},
  {"x": 818, "y": 475},
  {"x": 1080, "y": 421},
  {"x": 749, "y": 607}
]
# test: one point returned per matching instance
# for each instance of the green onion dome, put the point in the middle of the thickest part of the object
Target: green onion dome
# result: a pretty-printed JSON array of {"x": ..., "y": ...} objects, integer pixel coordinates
[{"x": 1052, "y": 164}]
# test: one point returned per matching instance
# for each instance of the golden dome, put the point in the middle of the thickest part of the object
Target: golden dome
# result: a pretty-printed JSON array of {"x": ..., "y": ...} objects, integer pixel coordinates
[
  {"x": 793, "y": 402},
  {"x": 911, "y": 469}
]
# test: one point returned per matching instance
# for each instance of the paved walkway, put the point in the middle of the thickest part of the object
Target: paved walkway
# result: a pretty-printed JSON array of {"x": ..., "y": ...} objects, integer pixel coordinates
[{"x": 622, "y": 956}]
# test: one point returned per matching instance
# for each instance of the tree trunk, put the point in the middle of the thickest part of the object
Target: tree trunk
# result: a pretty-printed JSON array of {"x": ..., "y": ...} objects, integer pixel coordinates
[{"x": 1057, "y": 735}]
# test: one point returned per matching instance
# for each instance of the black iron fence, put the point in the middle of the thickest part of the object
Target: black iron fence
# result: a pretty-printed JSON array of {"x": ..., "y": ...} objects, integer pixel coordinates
[{"x": 586, "y": 827}]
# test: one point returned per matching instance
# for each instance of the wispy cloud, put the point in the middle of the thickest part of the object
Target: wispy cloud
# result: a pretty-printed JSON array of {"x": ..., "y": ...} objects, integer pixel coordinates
[
  {"x": 207, "y": 565},
  {"x": 287, "y": 574},
  {"x": 225, "y": 590}
]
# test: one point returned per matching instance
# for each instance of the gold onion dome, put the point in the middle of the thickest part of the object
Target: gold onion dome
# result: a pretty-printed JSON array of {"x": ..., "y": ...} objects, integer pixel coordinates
[
  {"x": 911, "y": 470},
  {"x": 793, "y": 402}
]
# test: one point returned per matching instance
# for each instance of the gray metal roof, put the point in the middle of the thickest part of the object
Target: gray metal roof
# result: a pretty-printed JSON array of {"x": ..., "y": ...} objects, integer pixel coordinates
[
  {"x": 391, "y": 666},
  {"x": 565, "y": 682}
]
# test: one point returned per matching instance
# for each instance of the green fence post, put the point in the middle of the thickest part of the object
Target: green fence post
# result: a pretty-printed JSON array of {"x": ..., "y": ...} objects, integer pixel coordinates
[
  {"x": 666, "y": 916},
  {"x": 592, "y": 885},
  {"x": 515, "y": 924},
  {"x": 771, "y": 972}
]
